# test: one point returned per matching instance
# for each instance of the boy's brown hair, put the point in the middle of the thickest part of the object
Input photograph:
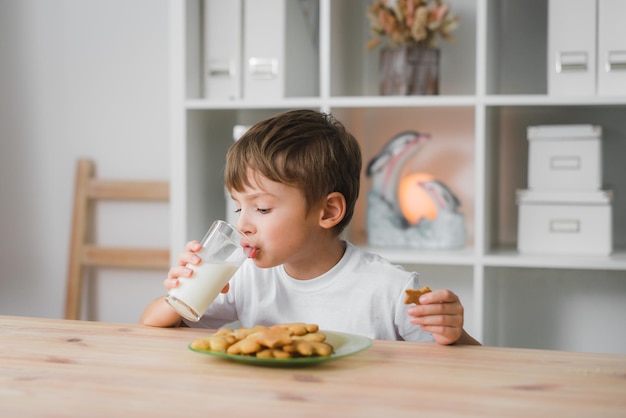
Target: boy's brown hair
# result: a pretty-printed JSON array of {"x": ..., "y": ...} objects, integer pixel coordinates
[{"x": 309, "y": 150}]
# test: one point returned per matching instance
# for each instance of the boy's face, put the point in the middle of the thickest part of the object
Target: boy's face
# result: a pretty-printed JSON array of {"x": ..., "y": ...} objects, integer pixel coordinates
[{"x": 274, "y": 217}]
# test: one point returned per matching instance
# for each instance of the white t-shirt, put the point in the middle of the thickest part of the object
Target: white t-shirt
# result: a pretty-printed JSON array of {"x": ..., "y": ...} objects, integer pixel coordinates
[{"x": 362, "y": 294}]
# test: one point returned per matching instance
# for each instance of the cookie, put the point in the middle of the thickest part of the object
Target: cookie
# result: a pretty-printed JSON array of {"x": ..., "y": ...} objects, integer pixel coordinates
[
  {"x": 309, "y": 348},
  {"x": 247, "y": 346},
  {"x": 242, "y": 333},
  {"x": 312, "y": 336},
  {"x": 273, "y": 337},
  {"x": 298, "y": 328},
  {"x": 212, "y": 343},
  {"x": 413, "y": 295}
]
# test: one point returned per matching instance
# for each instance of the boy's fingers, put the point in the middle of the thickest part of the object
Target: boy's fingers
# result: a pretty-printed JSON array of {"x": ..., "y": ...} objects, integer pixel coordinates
[
  {"x": 193, "y": 246},
  {"x": 439, "y": 296},
  {"x": 188, "y": 257},
  {"x": 170, "y": 283},
  {"x": 179, "y": 271},
  {"x": 439, "y": 320}
]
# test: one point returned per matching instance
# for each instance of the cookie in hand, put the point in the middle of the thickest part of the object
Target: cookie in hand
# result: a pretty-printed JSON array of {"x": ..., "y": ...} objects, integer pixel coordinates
[{"x": 413, "y": 295}]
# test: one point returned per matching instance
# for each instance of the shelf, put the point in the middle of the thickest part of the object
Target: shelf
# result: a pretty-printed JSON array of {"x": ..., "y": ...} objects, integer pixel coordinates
[
  {"x": 511, "y": 258},
  {"x": 500, "y": 258},
  {"x": 336, "y": 102},
  {"x": 408, "y": 101},
  {"x": 287, "y": 103},
  {"x": 508, "y": 161},
  {"x": 493, "y": 85},
  {"x": 353, "y": 71},
  {"x": 402, "y": 101},
  {"x": 461, "y": 257},
  {"x": 544, "y": 100}
]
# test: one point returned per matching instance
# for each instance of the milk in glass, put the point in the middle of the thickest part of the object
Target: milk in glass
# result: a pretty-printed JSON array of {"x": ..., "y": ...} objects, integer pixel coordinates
[{"x": 207, "y": 281}]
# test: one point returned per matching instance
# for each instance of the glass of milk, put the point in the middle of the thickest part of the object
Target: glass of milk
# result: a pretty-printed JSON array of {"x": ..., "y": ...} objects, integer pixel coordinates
[{"x": 221, "y": 254}]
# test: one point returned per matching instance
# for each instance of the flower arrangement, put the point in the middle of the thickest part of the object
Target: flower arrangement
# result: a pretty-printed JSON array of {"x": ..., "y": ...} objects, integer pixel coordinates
[{"x": 411, "y": 22}]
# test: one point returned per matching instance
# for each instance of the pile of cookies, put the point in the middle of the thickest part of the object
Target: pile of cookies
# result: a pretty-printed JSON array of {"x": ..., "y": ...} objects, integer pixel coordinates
[{"x": 282, "y": 341}]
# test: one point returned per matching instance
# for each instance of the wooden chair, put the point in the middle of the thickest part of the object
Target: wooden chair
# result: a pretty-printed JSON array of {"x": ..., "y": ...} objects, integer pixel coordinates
[{"x": 83, "y": 254}]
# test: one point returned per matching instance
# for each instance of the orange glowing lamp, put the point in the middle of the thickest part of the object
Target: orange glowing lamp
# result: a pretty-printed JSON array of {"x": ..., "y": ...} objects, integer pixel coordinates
[{"x": 415, "y": 203}]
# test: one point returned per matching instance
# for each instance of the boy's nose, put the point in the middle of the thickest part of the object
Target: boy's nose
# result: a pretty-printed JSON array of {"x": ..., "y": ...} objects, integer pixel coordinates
[{"x": 244, "y": 226}]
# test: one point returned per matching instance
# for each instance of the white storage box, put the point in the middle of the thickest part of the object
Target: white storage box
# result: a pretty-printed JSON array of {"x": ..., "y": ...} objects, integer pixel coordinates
[
  {"x": 565, "y": 157},
  {"x": 564, "y": 223}
]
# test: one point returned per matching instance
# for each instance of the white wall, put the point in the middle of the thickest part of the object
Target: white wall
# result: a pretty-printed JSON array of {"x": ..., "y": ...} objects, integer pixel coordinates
[{"x": 79, "y": 78}]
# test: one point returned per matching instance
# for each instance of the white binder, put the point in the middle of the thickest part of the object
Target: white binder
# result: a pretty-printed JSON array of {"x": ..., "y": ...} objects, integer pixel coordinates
[
  {"x": 264, "y": 49},
  {"x": 272, "y": 29},
  {"x": 223, "y": 49},
  {"x": 572, "y": 47},
  {"x": 611, "y": 48}
]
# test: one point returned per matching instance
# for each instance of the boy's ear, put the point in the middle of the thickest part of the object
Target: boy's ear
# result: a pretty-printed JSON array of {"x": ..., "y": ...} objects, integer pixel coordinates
[{"x": 333, "y": 210}]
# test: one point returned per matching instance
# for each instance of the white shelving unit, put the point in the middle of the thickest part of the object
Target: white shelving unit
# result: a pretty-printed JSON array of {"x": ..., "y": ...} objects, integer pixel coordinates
[{"x": 493, "y": 85}]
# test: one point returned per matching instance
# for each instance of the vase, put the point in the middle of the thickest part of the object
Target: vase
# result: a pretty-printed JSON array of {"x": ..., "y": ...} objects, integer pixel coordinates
[{"x": 409, "y": 70}]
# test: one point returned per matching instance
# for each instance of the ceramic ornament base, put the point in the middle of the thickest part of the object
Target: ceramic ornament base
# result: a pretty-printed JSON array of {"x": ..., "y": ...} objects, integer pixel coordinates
[{"x": 387, "y": 228}]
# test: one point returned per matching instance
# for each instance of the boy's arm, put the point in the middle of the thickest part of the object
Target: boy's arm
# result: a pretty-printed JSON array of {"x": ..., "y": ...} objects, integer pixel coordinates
[
  {"x": 159, "y": 313},
  {"x": 466, "y": 339}
]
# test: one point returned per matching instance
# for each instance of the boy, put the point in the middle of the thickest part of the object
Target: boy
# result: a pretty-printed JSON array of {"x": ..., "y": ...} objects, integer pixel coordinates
[{"x": 295, "y": 179}]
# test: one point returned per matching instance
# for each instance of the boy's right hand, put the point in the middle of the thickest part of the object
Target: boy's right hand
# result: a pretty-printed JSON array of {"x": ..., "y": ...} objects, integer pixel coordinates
[{"x": 180, "y": 269}]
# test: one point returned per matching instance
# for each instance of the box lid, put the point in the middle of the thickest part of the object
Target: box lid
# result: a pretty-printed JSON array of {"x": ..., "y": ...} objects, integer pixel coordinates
[
  {"x": 600, "y": 197},
  {"x": 563, "y": 132}
]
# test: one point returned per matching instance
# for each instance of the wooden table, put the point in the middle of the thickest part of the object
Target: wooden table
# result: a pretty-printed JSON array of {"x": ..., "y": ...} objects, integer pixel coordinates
[{"x": 56, "y": 368}]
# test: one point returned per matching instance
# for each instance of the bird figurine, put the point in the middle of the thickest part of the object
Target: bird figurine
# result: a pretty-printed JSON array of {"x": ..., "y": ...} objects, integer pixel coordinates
[{"x": 415, "y": 211}]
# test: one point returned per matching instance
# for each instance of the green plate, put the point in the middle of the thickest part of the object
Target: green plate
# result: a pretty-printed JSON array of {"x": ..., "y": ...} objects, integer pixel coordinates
[{"x": 344, "y": 345}]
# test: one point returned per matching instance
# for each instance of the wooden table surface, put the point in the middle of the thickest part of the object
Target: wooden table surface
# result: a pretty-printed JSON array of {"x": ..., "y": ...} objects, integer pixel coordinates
[{"x": 54, "y": 368}]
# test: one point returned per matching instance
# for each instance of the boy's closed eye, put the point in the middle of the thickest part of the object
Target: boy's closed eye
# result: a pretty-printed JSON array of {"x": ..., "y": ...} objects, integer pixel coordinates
[{"x": 260, "y": 210}]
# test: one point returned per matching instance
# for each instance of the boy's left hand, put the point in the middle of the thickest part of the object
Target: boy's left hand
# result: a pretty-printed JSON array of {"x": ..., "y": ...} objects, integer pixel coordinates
[{"x": 441, "y": 313}]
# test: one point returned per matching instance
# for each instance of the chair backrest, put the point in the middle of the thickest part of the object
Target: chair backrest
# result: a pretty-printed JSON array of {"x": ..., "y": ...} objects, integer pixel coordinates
[{"x": 84, "y": 254}]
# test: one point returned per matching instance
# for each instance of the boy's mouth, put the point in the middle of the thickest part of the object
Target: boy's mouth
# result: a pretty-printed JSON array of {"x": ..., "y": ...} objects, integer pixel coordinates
[{"x": 249, "y": 250}]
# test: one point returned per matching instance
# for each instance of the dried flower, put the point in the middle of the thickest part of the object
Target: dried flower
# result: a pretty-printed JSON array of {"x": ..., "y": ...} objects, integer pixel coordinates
[{"x": 411, "y": 22}]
